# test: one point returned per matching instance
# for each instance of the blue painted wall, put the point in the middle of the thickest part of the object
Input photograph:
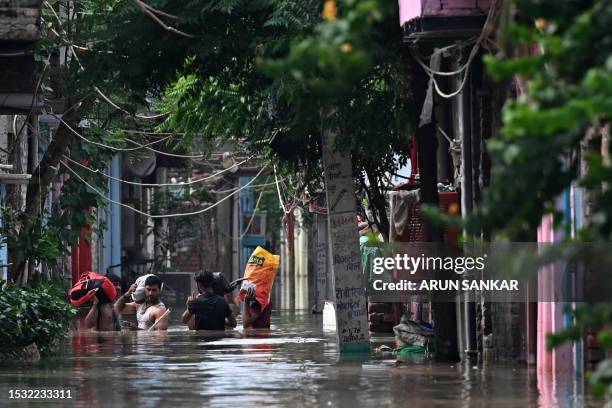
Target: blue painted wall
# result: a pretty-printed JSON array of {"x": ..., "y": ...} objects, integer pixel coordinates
[
  {"x": 111, "y": 250},
  {"x": 246, "y": 205},
  {"x": 3, "y": 250}
]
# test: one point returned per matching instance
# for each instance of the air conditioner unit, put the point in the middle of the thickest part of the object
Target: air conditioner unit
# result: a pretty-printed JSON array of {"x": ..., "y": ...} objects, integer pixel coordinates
[{"x": 177, "y": 286}]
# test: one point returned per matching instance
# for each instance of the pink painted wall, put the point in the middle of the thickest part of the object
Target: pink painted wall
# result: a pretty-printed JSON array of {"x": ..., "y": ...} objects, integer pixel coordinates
[
  {"x": 409, "y": 9},
  {"x": 550, "y": 314}
]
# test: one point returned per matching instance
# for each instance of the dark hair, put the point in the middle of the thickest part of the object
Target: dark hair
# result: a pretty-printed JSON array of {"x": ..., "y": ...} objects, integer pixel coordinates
[
  {"x": 113, "y": 278},
  {"x": 205, "y": 278},
  {"x": 153, "y": 280}
]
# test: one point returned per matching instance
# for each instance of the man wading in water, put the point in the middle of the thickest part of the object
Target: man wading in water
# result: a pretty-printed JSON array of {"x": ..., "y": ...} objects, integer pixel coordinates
[
  {"x": 208, "y": 311},
  {"x": 253, "y": 315},
  {"x": 102, "y": 316},
  {"x": 149, "y": 312}
]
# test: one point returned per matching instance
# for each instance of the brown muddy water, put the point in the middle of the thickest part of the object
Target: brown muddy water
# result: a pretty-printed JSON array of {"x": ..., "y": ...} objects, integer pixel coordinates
[{"x": 294, "y": 364}]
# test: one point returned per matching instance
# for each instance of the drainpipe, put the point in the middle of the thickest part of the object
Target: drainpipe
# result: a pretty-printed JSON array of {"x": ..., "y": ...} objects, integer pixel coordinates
[
  {"x": 465, "y": 116},
  {"x": 33, "y": 160},
  {"x": 115, "y": 210}
]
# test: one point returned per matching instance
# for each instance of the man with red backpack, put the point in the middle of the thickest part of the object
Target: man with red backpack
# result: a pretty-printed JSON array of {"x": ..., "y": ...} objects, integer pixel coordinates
[{"x": 100, "y": 290}]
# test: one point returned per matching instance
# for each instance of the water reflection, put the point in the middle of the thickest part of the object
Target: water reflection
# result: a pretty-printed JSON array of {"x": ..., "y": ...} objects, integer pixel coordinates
[{"x": 293, "y": 364}]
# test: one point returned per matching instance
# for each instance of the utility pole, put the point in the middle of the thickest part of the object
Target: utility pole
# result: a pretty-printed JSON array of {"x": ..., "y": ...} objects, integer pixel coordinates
[
  {"x": 444, "y": 312},
  {"x": 348, "y": 287}
]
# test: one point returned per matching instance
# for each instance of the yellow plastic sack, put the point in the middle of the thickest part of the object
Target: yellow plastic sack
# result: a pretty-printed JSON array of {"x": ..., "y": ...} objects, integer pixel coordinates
[{"x": 261, "y": 270}]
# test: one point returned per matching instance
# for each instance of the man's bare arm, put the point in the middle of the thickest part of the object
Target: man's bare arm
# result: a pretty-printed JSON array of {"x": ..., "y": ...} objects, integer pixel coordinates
[
  {"x": 92, "y": 317},
  {"x": 231, "y": 320},
  {"x": 191, "y": 324},
  {"x": 161, "y": 321},
  {"x": 122, "y": 306},
  {"x": 186, "y": 316},
  {"x": 229, "y": 299},
  {"x": 247, "y": 316}
]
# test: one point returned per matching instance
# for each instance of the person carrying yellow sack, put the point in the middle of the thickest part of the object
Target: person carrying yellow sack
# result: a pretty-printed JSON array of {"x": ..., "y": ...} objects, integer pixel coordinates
[{"x": 255, "y": 291}]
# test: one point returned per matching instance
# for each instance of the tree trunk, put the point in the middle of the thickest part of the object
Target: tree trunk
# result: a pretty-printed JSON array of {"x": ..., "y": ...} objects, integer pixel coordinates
[
  {"x": 378, "y": 202},
  {"x": 43, "y": 175}
]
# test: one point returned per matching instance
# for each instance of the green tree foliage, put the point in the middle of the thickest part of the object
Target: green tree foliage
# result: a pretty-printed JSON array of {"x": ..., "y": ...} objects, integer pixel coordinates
[{"x": 353, "y": 65}]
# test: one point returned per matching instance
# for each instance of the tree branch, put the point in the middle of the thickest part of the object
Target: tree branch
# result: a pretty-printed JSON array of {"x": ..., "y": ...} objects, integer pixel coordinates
[{"x": 149, "y": 10}]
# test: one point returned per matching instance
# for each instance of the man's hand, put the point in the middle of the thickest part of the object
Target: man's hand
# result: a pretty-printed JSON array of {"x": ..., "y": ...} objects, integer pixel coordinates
[
  {"x": 130, "y": 290},
  {"x": 248, "y": 289},
  {"x": 122, "y": 306},
  {"x": 191, "y": 298}
]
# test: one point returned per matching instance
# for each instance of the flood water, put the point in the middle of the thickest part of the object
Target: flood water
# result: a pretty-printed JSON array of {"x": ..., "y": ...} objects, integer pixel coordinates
[{"x": 294, "y": 364}]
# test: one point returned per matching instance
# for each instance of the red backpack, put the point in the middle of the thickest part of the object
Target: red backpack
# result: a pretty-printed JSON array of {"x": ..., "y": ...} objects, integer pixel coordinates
[{"x": 89, "y": 285}]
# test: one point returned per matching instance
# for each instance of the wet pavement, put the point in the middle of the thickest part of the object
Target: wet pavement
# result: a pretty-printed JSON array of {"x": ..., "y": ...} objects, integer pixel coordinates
[{"x": 294, "y": 364}]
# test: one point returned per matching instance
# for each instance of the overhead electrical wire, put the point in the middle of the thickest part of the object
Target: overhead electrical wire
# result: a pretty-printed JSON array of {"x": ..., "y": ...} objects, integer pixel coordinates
[
  {"x": 200, "y": 211},
  {"x": 184, "y": 156},
  {"x": 114, "y": 148},
  {"x": 280, "y": 198},
  {"x": 186, "y": 183},
  {"x": 130, "y": 149}
]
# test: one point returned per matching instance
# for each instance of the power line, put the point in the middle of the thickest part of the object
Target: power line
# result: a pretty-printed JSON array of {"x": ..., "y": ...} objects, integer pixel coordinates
[
  {"x": 130, "y": 149},
  {"x": 266, "y": 184},
  {"x": 116, "y": 149},
  {"x": 280, "y": 198},
  {"x": 114, "y": 105},
  {"x": 187, "y": 183},
  {"x": 184, "y": 156},
  {"x": 200, "y": 211},
  {"x": 134, "y": 183}
]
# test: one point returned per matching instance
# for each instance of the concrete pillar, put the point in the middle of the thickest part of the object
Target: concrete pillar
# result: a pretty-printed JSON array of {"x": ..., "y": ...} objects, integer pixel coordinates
[
  {"x": 284, "y": 271},
  {"x": 301, "y": 261},
  {"x": 351, "y": 310}
]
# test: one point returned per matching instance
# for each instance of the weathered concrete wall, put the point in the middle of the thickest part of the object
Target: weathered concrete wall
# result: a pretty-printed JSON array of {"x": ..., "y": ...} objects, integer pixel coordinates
[{"x": 20, "y": 20}]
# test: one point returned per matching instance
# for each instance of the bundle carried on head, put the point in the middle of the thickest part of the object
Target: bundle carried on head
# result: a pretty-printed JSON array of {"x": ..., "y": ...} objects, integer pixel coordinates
[
  {"x": 89, "y": 285},
  {"x": 259, "y": 276},
  {"x": 139, "y": 294}
]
